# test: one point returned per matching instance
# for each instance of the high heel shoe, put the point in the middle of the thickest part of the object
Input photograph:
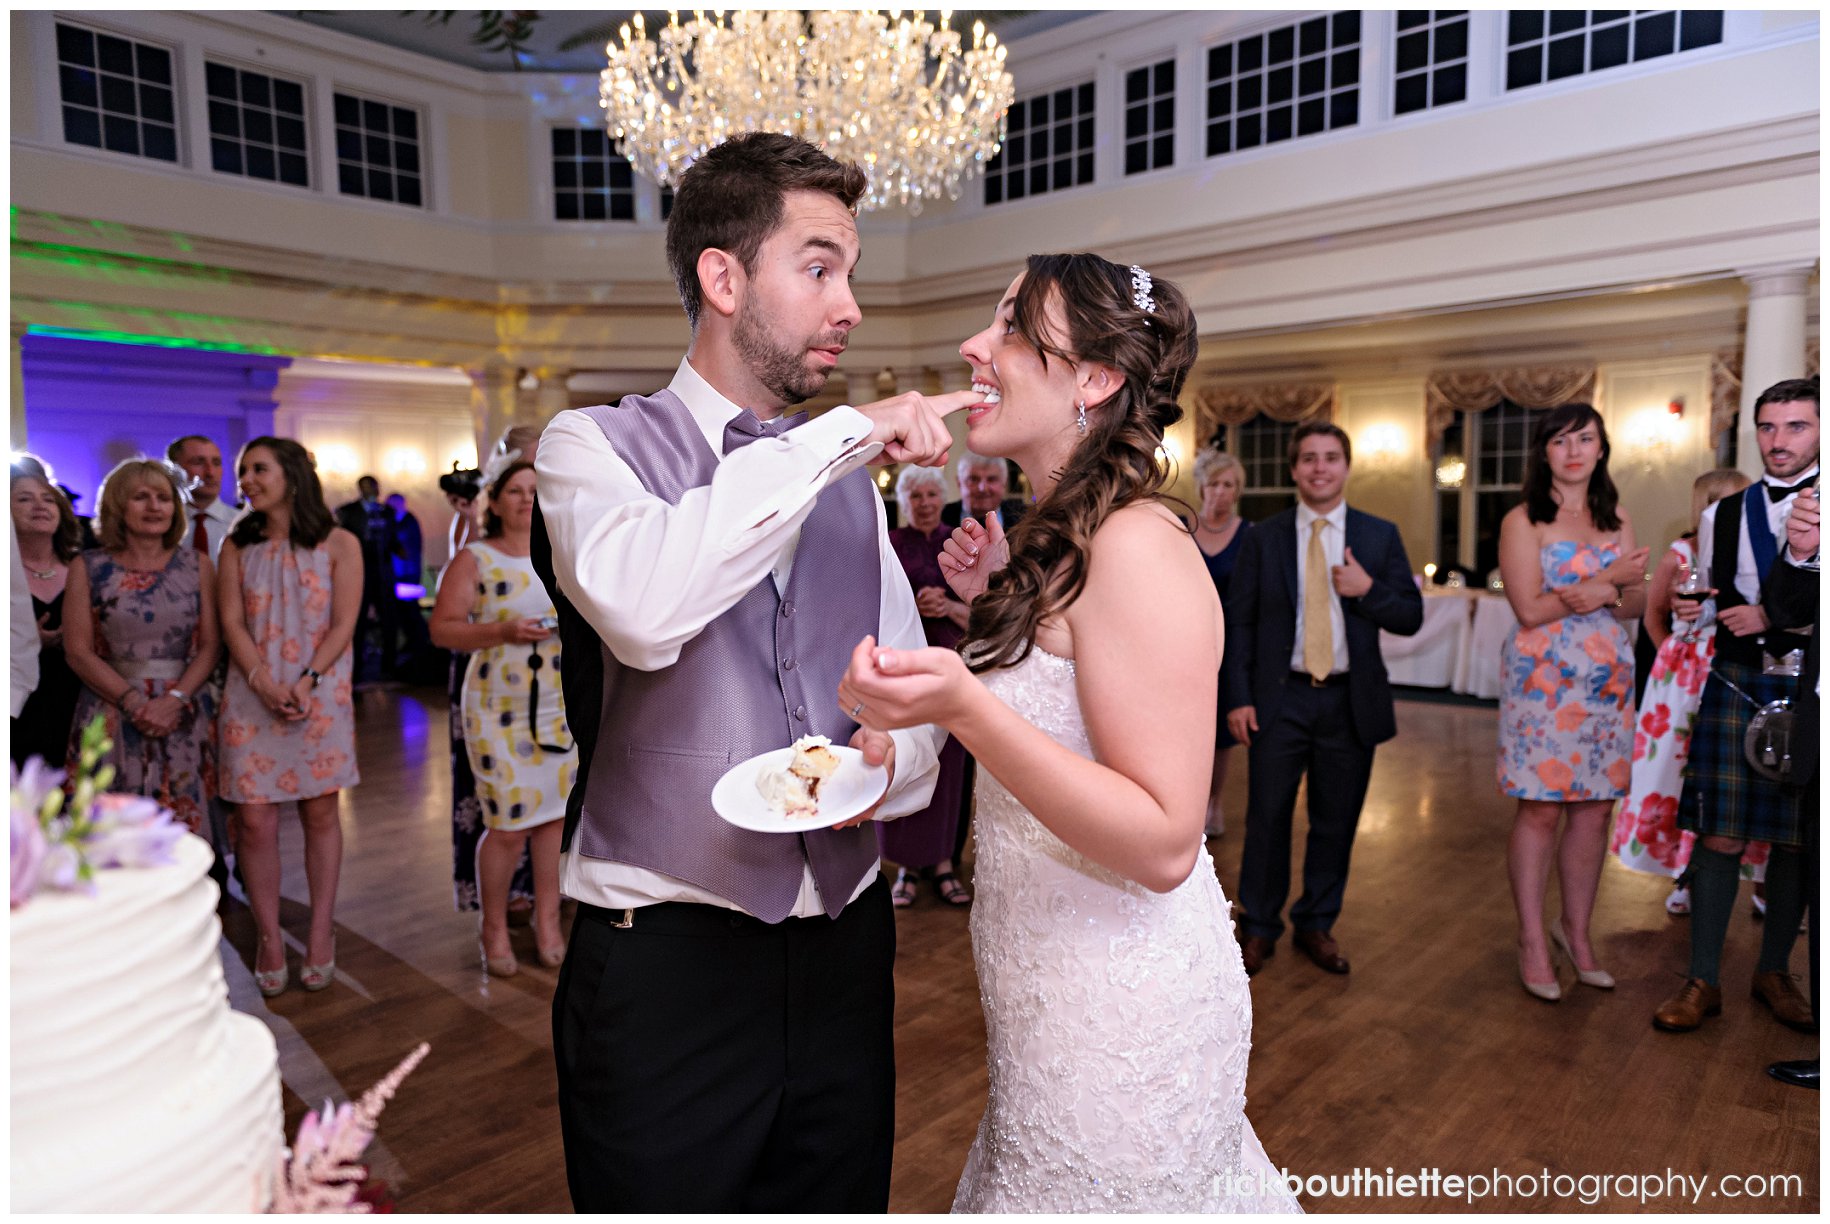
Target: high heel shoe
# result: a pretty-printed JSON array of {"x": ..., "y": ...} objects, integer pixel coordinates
[
  {"x": 552, "y": 958},
  {"x": 1600, "y": 979},
  {"x": 1549, "y": 991},
  {"x": 498, "y": 966},
  {"x": 317, "y": 977},
  {"x": 271, "y": 981}
]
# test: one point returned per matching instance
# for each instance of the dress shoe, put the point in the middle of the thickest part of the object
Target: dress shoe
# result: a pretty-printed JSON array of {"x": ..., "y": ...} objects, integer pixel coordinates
[
  {"x": 1599, "y": 978},
  {"x": 1320, "y": 947},
  {"x": 1550, "y": 991},
  {"x": 1255, "y": 950},
  {"x": 1778, "y": 991},
  {"x": 1684, "y": 1011},
  {"x": 1801, "y": 1074}
]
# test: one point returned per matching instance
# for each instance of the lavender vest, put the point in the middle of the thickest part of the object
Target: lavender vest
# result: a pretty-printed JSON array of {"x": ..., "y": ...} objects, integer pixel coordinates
[{"x": 758, "y": 677}]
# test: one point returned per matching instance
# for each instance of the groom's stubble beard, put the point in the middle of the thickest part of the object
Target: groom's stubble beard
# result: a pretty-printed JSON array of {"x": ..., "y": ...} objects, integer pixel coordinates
[{"x": 780, "y": 368}]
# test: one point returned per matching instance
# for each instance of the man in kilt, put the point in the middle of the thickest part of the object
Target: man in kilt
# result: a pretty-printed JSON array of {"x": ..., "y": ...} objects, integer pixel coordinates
[
  {"x": 1725, "y": 802},
  {"x": 1791, "y": 601}
]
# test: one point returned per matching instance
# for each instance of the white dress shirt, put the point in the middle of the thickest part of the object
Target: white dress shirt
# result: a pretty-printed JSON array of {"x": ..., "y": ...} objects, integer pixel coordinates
[
  {"x": 649, "y": 576},
  {"x": 1334, "y": 541},
  {"x": 218, "y": 518},
  {"x": 1747, "y": 575},
  {"x": 25, "y": 631}
]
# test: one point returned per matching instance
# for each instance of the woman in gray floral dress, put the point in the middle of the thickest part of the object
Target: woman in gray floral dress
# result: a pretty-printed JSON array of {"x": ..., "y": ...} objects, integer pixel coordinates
[{"x": 147, "y": 643}]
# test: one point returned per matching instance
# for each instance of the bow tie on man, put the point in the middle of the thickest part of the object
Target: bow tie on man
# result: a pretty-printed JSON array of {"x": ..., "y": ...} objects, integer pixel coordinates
[
  {"x": 746, "y": 427},
  {"x": 1778, "y": 493}
]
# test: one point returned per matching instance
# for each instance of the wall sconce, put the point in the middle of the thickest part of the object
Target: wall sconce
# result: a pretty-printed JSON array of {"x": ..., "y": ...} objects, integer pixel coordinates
[
  {"x": 337, "y": 459},
  {"x": 1651, "y": 436},
  {"x": 403, "y": 463},
  {"x": 1382, "y": 447},
  {"x": 1451, "y": 472},
  {"x": 465, "y": 457},
  {"x": 883, "y": 479}
]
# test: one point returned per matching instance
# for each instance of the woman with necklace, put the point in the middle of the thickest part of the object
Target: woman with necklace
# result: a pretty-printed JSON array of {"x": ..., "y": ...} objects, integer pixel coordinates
[
  {"x": 1218, "y": 531},
  {"x": 291, "y": 591},
  {"x": 1573, "y": 576},
  {"x": 142, "y": 637},
  {"x": 49, "y": 539}
]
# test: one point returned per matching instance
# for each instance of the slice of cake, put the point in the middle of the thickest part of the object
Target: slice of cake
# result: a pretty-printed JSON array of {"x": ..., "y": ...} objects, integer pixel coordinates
[{"x": 794, "y": 792}]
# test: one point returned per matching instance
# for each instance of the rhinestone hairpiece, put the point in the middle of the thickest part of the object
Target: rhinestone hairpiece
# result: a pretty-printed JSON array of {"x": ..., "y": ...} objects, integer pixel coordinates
[{"x": 1141, "y": 285}]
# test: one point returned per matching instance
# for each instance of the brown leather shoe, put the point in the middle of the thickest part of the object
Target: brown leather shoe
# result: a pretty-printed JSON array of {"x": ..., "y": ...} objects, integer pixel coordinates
[
  {"x": 1255, "y": 950},
  {"x": 1780, "y": 993},
  {"x": 1684, "y": 1011},
  {"x": 1319, "y": 946}
]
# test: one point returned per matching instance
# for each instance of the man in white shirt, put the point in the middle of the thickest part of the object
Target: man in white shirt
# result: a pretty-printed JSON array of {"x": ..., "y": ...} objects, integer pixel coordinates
[
  {"x": 722, "y": 1022},
  {"x": 1725, "y": 802},
  {"x": 208, "y": 511},
  {"x": 1305, "y": 689}
]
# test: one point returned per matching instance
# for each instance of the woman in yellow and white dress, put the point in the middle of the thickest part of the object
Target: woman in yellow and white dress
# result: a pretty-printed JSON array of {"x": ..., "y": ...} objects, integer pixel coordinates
[{"x": 492, "y": 604}]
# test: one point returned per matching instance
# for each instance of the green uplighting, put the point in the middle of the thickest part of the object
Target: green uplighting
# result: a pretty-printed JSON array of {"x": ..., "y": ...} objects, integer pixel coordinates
[{"x": 120, "y": 337}]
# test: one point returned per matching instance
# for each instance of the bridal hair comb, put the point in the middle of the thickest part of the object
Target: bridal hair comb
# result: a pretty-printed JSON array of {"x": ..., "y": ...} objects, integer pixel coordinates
[{"x": 1141, "y": 285}]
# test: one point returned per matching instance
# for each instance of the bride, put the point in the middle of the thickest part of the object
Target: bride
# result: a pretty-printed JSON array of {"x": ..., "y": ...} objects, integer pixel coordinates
[{"x": 1116, "y": 1006}]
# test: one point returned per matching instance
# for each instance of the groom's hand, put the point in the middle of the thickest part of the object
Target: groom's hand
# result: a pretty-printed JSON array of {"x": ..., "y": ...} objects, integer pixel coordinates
[
  {"x": 913, "y": 426},
  {"x": 878, "y": 749}
]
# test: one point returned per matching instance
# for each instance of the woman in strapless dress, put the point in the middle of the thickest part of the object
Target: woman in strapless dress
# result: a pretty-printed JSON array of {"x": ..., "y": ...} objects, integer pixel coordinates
[{"x": 1116, "y": 1006}]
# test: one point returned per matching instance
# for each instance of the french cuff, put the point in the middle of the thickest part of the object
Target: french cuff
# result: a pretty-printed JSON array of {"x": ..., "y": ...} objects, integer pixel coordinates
[{"x": 843, "y": 434}]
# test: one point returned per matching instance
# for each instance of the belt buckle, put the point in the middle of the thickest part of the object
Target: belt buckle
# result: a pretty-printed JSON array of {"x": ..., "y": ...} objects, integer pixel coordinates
[
  {"x": 1318, "y": 681},
  {"x": 627, "y": 922}
]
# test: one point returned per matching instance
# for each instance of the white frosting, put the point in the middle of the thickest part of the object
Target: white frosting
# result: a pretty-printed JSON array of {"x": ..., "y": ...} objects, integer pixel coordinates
[
  {"x": 134, "y": 1087},
  {"x": 785, "y": 793}
]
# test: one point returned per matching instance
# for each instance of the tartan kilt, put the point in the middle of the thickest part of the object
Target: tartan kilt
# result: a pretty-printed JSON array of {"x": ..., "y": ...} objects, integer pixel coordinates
[{"x": 1723, "y": 796}]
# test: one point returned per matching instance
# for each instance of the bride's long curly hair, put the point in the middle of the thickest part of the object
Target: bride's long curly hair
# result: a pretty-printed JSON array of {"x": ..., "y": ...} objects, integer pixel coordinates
[{"x": 1114, "y": 465}]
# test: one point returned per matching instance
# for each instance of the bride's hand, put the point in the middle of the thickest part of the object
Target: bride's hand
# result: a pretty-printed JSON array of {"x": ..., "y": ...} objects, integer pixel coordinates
[
  {"x": 891, "y": 689},
  {"x": 972, "y": 554}
]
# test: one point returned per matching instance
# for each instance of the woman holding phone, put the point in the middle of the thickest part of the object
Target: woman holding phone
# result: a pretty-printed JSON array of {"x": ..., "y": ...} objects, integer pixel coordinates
[{"x": 492, "y": 605}]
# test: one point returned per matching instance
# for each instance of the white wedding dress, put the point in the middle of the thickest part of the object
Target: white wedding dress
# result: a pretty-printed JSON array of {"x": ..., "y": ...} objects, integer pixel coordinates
[{"x": 1119, "y": 1020}]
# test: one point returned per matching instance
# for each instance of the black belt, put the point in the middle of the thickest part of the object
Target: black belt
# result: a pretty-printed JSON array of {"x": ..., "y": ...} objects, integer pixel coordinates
[
  {"x": 694, "y": 918},
  {"x": 1308, "y": 681}
]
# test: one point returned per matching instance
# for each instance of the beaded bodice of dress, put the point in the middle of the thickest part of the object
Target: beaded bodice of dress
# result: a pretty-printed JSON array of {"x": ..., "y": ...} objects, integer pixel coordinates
[{"x": 1118, "y": 1019}]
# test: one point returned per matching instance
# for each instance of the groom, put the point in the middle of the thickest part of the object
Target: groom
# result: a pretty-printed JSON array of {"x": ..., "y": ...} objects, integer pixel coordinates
[{"x": 722, "y": 1021}]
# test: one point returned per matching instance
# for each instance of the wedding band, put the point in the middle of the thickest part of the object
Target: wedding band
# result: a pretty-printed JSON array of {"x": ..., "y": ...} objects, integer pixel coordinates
[{"x": 857, "y": 710}]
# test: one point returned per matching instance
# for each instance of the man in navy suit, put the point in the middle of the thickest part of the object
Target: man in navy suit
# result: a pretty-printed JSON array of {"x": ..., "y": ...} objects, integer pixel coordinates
[{"x": 1304, "y": 688}]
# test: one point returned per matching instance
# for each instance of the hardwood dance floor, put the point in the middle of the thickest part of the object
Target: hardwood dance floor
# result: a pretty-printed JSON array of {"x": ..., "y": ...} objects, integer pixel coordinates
[{"x": 1429, "y": 1056}]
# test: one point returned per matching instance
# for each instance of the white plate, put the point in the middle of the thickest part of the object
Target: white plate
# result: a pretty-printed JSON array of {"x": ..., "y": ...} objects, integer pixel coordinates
[{"x": 853, "y": 787}]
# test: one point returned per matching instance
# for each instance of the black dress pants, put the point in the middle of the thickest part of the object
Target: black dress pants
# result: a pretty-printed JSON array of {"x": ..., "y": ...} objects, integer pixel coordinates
[
  {"x": 712, "y": 1062},
  {"x": 1312, "y": 733}
]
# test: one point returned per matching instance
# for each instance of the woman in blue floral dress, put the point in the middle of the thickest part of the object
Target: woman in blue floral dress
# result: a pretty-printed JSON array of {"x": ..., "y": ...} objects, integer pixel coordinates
[{"x": 1573, "y": 574}]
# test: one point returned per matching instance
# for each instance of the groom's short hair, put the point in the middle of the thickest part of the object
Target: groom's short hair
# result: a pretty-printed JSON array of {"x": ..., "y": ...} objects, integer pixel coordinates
[{"x": 731, "y": 200}]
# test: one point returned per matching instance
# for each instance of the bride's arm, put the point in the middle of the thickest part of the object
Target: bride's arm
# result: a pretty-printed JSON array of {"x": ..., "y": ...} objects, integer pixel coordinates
[{"x": 1147, "y": 647}]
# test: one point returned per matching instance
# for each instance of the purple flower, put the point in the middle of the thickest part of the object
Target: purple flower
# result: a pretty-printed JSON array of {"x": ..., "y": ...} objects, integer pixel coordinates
[
  {"x": 33, "y": 784},
  {"x": 63, "y": 868},
  {"x": 130, "y": 831},
  {"x": 29, "y": 848}
]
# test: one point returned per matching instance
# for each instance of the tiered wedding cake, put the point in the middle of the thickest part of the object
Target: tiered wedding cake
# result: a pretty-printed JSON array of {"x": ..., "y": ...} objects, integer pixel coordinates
[{"x": 134, "y": 1087}]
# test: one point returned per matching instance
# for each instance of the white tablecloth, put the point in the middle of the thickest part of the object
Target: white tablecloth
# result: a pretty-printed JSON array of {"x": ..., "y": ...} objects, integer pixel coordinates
[
  {"x": 1477, "y": 672},
  {"x": 1429, "y": 658}
]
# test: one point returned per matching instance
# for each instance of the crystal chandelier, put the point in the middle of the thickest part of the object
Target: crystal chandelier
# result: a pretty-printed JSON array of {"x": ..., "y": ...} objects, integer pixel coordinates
[{"x": 902, "y": 99}]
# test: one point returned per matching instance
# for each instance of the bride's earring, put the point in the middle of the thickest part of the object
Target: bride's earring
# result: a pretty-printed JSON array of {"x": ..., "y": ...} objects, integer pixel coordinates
[{"x": 1080, "y": 412}]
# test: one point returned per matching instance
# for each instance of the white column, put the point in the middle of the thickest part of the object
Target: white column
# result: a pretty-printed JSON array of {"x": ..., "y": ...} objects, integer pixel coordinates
[
  {"x": 1774, "y": 347},
  {"x": 493, "y": 396},
  {"x": 550, "y": 394}
]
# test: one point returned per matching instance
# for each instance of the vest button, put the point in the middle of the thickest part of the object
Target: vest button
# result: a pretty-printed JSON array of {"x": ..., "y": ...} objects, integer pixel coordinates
[
  {"x": 787, "y": 664},
  {"x": 787, "y": 607},
  {"x": 800, "y": 713}
]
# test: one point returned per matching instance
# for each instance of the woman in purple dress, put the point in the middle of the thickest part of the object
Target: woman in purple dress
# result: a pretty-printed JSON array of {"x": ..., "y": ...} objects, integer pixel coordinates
[{"x": 922, "y": 844}]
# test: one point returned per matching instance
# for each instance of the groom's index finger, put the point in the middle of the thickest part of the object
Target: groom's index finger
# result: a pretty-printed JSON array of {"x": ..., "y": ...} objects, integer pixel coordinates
[{"x": 950, "y": 402}]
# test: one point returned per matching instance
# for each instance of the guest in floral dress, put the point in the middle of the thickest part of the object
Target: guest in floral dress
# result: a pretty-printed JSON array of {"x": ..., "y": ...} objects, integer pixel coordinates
[
  {"x": 1573, "y": 573},
  {"x": 922, "y": 844},
  {"x": 1646, "y": 836},
  {"x": 291, "y": 589},
  {"x": 140, "y": 632},
  {"x": 522, "y": 755}
]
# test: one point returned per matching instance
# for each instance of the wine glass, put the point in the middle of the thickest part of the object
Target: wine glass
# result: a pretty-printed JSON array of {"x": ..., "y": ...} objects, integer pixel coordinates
[{"x": 1692, "y": 583}]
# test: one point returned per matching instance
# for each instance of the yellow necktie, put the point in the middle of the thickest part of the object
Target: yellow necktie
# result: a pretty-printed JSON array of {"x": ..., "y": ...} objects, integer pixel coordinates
[{"x": 1318, "y": 622}]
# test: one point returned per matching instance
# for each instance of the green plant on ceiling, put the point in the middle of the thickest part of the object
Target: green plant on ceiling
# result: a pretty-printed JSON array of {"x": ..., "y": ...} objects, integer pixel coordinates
[{"x": 496, "y": 29}]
